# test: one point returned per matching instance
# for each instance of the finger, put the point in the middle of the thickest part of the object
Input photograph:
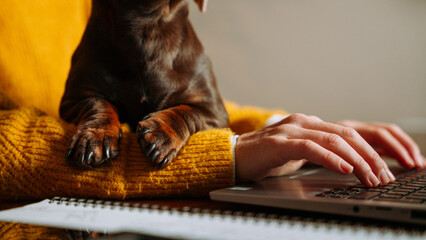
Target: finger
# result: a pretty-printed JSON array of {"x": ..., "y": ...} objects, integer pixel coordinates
[
  {"x": 337, "y": 145},
  {"x": 387, "y": 141},
  {"x": 406, "y": 141},
  {"x": 358, "y": 143},
  {"x": 382, "y": 152},
  {"x": 313, "y": 152}
]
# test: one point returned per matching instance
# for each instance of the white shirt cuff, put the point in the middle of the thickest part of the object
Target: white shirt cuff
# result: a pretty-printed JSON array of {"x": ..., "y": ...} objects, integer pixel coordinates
[{"x": 274, "y": 119}]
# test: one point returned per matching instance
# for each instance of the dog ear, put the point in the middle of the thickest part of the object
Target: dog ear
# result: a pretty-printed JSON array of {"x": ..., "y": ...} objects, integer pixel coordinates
[
  {"x": 202, "y": 5},
  {"x": 173, "y": 4}
]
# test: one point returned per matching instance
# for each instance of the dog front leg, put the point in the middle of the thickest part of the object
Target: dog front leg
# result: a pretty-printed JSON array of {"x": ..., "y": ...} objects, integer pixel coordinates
[
  {"x": 162, "y": 134},
  {"x": 98, "y": 133}
]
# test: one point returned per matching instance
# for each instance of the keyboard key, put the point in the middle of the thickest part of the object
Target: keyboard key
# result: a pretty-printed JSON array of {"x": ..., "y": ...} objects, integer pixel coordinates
[
  {"x": 374, "y": 190},
  {"x": 365, "y": 195},
  {"x": 409, "y": 187},
  {"x": 416, "y": 198},
  {"x": 403, "y": 200},
  {"x": 418, "y": 195},
  {"x": 390, "y": 196},
  {"x": 395, "y": 193},
  {"x": 417, "y": 185}
]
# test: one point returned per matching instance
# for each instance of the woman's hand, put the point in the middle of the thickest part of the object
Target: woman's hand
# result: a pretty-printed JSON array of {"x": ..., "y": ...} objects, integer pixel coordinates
[
  {"x": 285, "y": 146},
  {"x": 389, "y": 140}
]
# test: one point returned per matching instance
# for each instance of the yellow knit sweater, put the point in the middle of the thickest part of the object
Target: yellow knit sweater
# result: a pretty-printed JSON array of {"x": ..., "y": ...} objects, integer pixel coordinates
[{"x": 33, "y": 147}]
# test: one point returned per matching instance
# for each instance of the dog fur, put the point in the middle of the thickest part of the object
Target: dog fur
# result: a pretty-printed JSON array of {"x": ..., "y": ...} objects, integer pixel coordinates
[{"x": 140, "y": 62}]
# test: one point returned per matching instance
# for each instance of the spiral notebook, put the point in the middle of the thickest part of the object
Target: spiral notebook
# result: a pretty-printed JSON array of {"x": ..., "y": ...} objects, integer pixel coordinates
[{"x": 122, "y": 217}]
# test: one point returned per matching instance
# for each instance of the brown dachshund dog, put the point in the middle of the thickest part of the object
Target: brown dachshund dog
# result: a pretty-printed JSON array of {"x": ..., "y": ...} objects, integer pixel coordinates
[{"x": 140, "y": 62}]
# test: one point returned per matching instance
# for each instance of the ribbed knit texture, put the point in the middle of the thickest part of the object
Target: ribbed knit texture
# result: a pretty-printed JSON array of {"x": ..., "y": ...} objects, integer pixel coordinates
[
  {"x": 33, "y": 147},
  {"x": 15, "y": 231},
  {"x": 32, "y": 166},
  {"x": 244, "y": 119}
]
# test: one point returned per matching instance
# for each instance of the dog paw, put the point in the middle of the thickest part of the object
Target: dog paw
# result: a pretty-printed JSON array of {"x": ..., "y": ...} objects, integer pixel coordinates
[
  {"x": 158, "y": 140},
  {"x": 91, "y": 147}
]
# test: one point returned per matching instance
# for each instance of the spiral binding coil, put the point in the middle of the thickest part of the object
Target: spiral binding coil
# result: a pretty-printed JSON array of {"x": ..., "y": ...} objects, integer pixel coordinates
[
  {"x": 245, "y": 216},
  {"x": 187, "y": 210}
]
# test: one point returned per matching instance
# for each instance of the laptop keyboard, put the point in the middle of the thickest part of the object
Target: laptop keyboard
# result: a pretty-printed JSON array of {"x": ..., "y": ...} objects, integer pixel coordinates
[{"x": 409, "y": 187}]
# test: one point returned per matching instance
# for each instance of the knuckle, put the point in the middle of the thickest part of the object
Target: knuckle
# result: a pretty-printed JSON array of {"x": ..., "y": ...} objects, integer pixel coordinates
[
  {"x": 362, "y": 165},
  {"x": 377, "y": 160},
  {"x": 333, "y": 139},
  {"x": 327, "y": 157},
  {"x": 306, "y": 145},
  {"x": 344, "y": 122},
  {"x": 349, "y": 132},
  {"x": 315, "y": 118},
  {"x": 284, "y": 129},
  {"x": 394, "y": 127},
  {"x": 382, "y": 132},
  {"x": 298, "y": 117}
]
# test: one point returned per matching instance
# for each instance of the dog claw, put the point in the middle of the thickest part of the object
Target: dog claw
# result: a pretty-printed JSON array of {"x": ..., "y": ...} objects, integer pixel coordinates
[
  {"x": 142, "y": 131},
  {"x": 163, "y": 163},
  {"x": 108, "y": 151},
  {"x": 155, "y": 155},
  {"x": 89, "y": 158},
  {"x": 67, "y": 157},
  {"x": 145, "y": 118},
  {"x": 82, "y": 158},
  {"x": 145, "y": 131},
  {"x": 149, "y": 151}
]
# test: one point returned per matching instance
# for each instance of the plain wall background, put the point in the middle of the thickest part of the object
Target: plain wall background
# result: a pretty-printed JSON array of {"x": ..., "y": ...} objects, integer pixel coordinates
[{"x": 337, "y": 59}]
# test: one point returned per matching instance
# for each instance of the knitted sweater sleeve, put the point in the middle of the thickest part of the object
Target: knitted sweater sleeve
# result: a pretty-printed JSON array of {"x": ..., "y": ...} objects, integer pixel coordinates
[
  {"x": 244, "y": 119},
  {"x": 32, "y": 165},
  {"x": 33, "y": 147}
]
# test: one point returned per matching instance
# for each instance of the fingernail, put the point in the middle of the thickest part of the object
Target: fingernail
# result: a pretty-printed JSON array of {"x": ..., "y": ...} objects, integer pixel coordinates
[
  {"x": 345, "y": 167},
  {"x": 410, "y": 163},
  {"x": 419, "y": 160},
  {"x": 373, "y": 179},
  {"x": 384, "y": 178},
  {"x": 390, "y": 175}
]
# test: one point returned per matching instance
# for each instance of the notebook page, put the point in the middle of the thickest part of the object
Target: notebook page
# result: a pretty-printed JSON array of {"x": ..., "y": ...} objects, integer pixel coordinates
[{"x": 186, "y": 225}]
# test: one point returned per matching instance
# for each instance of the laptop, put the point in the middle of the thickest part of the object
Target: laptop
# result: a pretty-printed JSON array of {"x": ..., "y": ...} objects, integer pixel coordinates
[{"x": 320, "y": 190}]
